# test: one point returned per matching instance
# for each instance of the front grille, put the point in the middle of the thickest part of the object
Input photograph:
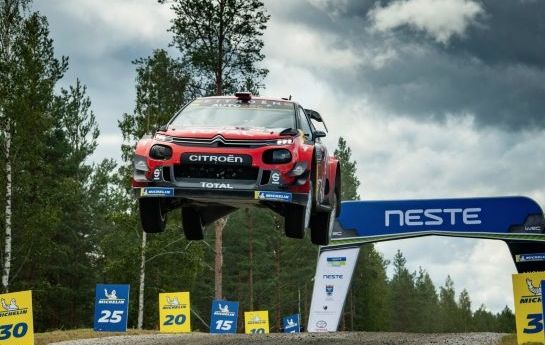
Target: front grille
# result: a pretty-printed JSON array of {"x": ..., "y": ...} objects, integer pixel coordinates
[
  {"x": 219, "y": 141},
  {"x": 216, "y": 172}
]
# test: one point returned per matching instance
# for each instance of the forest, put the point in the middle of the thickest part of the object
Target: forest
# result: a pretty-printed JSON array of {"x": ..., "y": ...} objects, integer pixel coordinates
[{"x": 68, "y": 222}]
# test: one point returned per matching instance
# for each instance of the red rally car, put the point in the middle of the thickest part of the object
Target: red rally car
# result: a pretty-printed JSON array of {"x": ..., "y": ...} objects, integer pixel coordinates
[{"x": 218, "y": 154}]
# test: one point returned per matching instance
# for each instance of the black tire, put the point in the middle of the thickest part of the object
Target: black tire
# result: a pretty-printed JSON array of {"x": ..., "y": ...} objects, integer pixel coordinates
[
  {"x": 321, "y": 224},
  {"x": 297, "y": 217},
  {"x": 192, "y": 224},
  {"x": 152, "y": 217}
]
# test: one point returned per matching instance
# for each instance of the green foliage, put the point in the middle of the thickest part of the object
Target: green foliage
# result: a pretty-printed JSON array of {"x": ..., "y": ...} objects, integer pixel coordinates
[
  {"x": 221, "y": 41},
  {"x": 349, "y": 180}
]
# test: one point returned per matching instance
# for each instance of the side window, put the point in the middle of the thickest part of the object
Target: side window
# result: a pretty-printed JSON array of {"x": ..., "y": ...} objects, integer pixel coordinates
[{"x": 303, "y": 123}]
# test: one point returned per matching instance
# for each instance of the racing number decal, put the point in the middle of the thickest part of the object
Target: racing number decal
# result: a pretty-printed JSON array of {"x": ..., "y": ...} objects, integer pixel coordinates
[
  {"x": 535, "y": 323},
  {"x": 175, "y": 319},
  {"x": 108, "y": 316},
  {"x": 224, "y": 325},
  {"x": 17, "y": 331}
]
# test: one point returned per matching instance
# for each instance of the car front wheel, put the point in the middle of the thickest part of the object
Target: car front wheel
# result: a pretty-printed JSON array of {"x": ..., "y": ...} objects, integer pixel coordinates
[
  {"x": 192, "y": 224},
  {"x": 322, "y": 223},
  {"x": 152, "y": 217},
  {"x": 297, "y": 217}
]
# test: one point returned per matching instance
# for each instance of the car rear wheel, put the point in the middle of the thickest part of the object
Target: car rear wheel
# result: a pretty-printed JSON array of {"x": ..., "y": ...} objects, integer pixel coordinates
[
  {"x": 321, "y": 224},
  {"x": 192, "y": 224},
  {"x": 152, "y": 217},
  {"x": 297, "y": 217}
]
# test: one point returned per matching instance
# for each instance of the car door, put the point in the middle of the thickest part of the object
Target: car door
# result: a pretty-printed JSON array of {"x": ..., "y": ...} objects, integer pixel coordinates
[{"x": 320, "y": 153}]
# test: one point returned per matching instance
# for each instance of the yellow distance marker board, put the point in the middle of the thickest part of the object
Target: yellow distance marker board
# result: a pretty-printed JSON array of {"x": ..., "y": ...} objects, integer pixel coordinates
[
  {"x": 16, "y": 322},
  {"x": 256, "y": 322},
  {"x": 174, "y": 312},
  {"x": 528, "y": 307}
]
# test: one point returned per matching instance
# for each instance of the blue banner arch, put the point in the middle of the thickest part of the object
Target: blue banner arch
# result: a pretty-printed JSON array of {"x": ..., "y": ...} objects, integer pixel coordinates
[{"x": 517, "y": 220}]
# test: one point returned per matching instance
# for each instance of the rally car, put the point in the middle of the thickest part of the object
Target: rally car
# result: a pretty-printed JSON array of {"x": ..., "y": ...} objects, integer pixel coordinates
[{"x": 218, "y": 154}]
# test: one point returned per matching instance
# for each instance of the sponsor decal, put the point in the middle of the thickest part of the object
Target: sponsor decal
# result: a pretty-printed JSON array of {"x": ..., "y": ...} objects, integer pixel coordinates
[
  {"x": 528, "y": 306},
  {"x": 210, "y": 159},
  {"x": 174, "y": 312},
  {"x": 111, "y": 307},
  {"x": 433, "y": 216},
  {"x": 224, "y": 317},
  {"x": 216, "y": 185},
  {"x": 332, "y": 276},
  {"x": 275, "y": 178},
  {"x": 321, "y": 325},
  {"x": 273, "y": 196},
  {"x": 329, "y": 290},
  {"x": 157, "y": 174},
  {"x": 336, "y": 261},
  {"x": 291, "y": 323},
  {"x": 156, "y": 191},
  {"x": 530, "y": 257},
  {"x": 16, "y": 321},
  {"x": 256, "y": 322}
]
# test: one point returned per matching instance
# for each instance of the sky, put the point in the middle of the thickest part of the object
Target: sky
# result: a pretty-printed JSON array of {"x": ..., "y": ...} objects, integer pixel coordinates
[{"x": 436, "y": 98}]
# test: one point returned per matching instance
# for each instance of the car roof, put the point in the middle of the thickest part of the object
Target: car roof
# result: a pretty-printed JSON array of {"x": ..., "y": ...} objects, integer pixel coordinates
[{"x": 255, "y": 97}]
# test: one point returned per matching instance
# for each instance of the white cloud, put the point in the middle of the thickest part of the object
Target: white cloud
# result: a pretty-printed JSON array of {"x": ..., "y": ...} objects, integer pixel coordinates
[
  {"x": 441, "y": 19},
  {"x": 295, "y": 45}
]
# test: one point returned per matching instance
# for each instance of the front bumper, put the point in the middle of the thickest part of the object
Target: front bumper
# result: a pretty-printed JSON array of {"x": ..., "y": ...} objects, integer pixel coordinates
[{"x": 230, "y": 197}]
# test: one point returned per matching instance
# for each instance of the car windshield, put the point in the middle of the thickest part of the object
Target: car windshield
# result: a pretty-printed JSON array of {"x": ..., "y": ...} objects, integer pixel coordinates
[{"x": 231, "y": 112}]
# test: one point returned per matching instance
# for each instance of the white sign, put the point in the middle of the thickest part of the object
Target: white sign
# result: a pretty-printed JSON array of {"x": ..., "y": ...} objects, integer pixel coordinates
[{"x": 333, "y": 275}]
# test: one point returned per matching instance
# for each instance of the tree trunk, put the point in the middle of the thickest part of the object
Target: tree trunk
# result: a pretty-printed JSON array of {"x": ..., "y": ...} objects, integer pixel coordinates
[
  {"x": 221, "y": 39},
  {"x": 142, "y": 282},
  {"x": 7, "y": 235},
  {"x": 250, "y": 258},
  {"x": 277, "y": 295},
  {"x": 219, "y": 225}
]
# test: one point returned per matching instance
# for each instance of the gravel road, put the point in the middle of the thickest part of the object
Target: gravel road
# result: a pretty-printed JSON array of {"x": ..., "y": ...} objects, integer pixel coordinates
[{"x": 344, "y": 338}]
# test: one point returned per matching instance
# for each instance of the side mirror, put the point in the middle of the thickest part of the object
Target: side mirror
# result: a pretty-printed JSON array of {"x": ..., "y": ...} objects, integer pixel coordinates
[
  {"x": 162, "y": 128},
  {"x": 319, "y": 134}
]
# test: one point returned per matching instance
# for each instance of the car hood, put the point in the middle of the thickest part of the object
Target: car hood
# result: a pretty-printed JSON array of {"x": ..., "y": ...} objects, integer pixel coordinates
[{"x": 249, "y": 133}]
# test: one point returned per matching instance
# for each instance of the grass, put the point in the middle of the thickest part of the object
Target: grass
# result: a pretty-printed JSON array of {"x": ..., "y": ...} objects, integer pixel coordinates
[
  {"x": 83, "y": 333},
  {"x": 511, "y": 339}
]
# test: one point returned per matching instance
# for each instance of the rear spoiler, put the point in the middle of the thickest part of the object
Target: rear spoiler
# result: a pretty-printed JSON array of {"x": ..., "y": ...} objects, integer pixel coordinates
[{"x": 315, "y": 116}]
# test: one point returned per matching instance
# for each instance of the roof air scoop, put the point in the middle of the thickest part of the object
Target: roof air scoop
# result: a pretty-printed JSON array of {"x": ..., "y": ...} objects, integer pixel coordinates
[{"x": 243, "y": 96}]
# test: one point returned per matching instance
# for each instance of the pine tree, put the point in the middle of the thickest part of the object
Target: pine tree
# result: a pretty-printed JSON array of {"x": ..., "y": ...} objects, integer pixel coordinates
[
  {"x": 464, "y": 312},
  {"x": 221, "y": 40},
  {"x": 349, "y": 181},
  {"x": 448, "y": 307},
  {"x": 402, "y": 291},
  {"x": 427, "y": 303}
]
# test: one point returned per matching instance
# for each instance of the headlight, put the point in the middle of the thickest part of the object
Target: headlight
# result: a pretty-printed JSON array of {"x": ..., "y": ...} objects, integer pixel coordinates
[
  {"x": 160, "y": 152},
  {"x": 277, "y": 156},
  {"x": 162, "y": 137},
  {"x": 284, "y": 141},
  {"x": 140, "y": 163}
]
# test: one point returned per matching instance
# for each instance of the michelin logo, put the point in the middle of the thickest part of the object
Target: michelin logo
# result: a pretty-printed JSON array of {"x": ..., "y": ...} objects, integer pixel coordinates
[
  {"x": 111, "y": 298},
  {"x": 273, "y": 196},
  {"x": 157, "y": 191},
  {"x": 224, "y": 311},
  {"x": 530, "y": 257},
  {"x": 11, "y": 309},
  {"x": 535, "y": 291}
]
